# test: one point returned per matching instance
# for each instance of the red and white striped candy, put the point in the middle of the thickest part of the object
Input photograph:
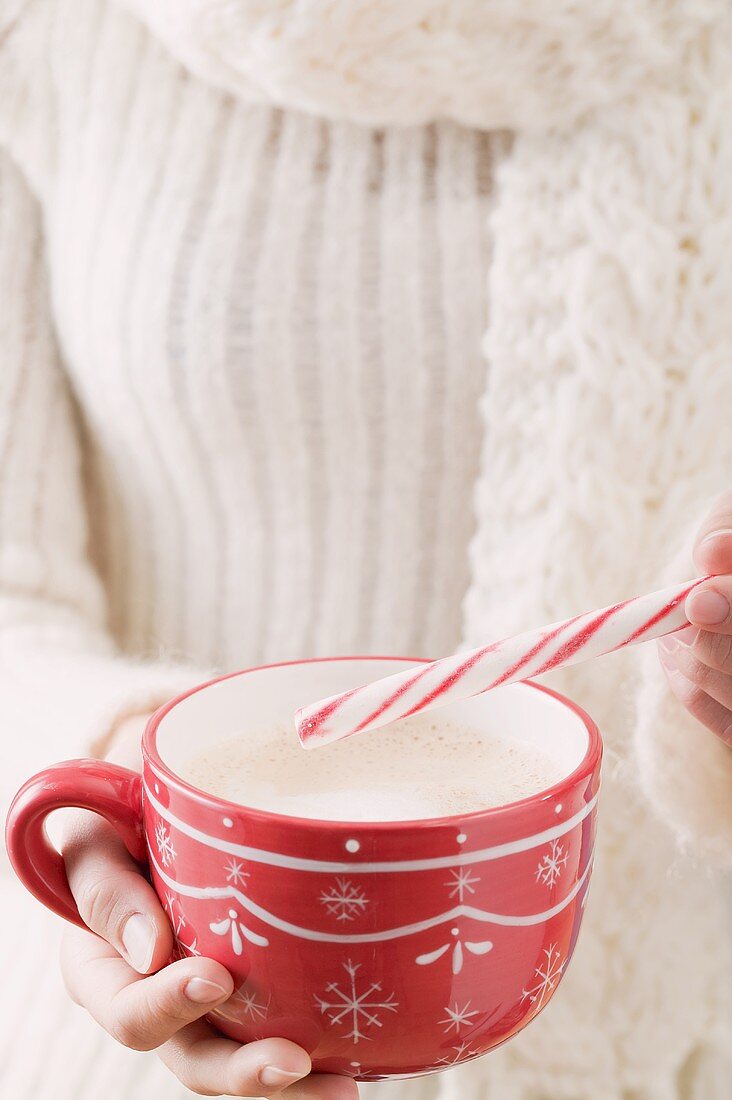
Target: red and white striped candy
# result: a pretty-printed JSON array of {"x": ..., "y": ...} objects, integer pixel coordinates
[{"x": 520, "y": 657}]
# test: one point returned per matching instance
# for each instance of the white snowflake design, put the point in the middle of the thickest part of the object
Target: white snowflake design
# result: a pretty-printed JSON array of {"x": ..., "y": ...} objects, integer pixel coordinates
[
  {"x": 184, "y": 950},
  {"x": 250, "y": 1005},
  {"x": 458, "y": 1017},
  {"x": 164, "y": 843},
  {"x": 549, "y": 869},
  {"x": 464, "y": 1050},
  {"x": 480, "y": 947},
  {"x": 361, "y": 1010},
  {"x": 231, "y": 925},
  {"x": 462, "y": 881},
  {"x": 244, "y": 1003},
  {"x": 235, "y": 872},
  {"x": 547, "y": 974},
  {"x": 172, "y": 907},
  {"x": 344, "y": 900}
]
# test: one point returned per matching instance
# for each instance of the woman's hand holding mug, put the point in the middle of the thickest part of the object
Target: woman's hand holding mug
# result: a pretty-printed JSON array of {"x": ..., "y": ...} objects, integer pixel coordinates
[
  {"x": 463, "y": 927},
  {"x": 120, "y": 976}
]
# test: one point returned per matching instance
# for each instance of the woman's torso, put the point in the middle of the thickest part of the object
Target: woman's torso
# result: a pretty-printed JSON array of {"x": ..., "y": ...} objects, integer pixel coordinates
[{"x": 272, "y": 325}]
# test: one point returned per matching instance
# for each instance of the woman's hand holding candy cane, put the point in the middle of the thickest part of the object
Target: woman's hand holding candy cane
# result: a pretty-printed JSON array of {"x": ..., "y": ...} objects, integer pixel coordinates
[{"x": 698, "y": 660}]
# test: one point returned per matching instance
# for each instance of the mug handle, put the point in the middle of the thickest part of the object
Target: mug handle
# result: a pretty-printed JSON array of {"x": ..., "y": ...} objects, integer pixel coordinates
[{"x": 106, "y": 789}]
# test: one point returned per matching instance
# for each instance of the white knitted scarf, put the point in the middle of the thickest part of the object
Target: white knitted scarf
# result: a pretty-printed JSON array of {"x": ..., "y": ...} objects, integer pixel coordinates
[{"x": 484, "y": 63}]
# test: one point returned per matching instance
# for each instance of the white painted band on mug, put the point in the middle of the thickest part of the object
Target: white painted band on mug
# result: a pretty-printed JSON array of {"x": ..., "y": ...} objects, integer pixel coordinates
[{"x": 371, "y": 937}]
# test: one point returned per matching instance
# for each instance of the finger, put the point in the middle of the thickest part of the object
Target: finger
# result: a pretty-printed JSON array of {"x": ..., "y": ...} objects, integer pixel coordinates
[
  {"x": 677, "y": 656},
  {"x": 113, "y": 898},
  {"x": 710, "y": 605},
  {"x": 141, "y": 1013},
  {"x": 323, "y": 1086},
  {"x": 212, "y": 1066},
  {"x": 701, "y": 706},
  {"x": 714, "y": 650},
  {"x": 713, "y": 549}
]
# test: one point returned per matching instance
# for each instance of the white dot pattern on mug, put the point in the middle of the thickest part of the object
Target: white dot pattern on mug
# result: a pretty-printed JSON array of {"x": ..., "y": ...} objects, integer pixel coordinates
[{"x": 353, "y": 845}]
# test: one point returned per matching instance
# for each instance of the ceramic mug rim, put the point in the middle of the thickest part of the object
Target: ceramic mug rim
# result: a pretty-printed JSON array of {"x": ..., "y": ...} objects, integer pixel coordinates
[{"x": 152, "y": 756}]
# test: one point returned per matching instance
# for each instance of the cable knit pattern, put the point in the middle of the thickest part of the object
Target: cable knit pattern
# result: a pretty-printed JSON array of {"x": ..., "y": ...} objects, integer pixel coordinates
[
  {"x": 53, "y": 638},
  {"x": 608, "y": 319},
  {"x": 605, "y": 439},
  {"x": 239, "y": 421}
]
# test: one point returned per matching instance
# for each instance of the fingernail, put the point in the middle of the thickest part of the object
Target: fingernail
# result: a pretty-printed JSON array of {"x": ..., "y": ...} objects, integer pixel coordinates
[
  {"x": 138, "y": 940},
  {"x": 721, "y": 533},
  {"x": 687, "y": 635},
  {"x": 708, "y": 608},
  {"x": 667, "y": 648},
  {"x": 272, "y": 1077},
  {"x": 203, "y": 992}
]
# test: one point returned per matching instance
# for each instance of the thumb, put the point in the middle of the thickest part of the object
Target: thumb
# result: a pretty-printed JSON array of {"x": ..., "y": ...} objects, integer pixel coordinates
[
  {"x": 113, "y": 897},
  {"x": 713, "y": 548}
]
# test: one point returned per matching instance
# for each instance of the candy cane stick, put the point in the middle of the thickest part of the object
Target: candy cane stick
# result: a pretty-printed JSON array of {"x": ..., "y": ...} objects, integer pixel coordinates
[{"x": 464, "y": 675}]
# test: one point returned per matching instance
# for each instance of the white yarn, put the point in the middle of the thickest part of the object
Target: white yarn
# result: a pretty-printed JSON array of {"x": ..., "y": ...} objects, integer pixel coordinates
[
  {"x": 611, "y": 378},
  {"x": 487, "y": 63},
  {"x": 604, "y": 442}
]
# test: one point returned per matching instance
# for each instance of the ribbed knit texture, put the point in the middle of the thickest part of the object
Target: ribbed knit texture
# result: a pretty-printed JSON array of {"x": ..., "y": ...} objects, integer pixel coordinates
[
  {"x": 244, "y": 301},
  {"x": 244, "y": 416}
]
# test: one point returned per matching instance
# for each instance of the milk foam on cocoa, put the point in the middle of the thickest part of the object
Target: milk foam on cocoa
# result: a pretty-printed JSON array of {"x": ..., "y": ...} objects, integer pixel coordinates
[{"x": 416, "y": 768}]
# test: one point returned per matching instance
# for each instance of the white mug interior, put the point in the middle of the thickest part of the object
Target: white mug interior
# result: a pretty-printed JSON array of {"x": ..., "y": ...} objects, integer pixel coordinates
[{"x": 270, "y": 695}]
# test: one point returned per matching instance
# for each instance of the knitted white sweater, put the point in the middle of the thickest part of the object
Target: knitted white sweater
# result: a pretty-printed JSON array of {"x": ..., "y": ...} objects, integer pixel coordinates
[{"x": 240, "y": 380}]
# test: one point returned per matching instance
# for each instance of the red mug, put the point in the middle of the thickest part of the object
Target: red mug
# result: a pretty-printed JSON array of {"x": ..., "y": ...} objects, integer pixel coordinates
[{"x": 388, "y": 949}]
